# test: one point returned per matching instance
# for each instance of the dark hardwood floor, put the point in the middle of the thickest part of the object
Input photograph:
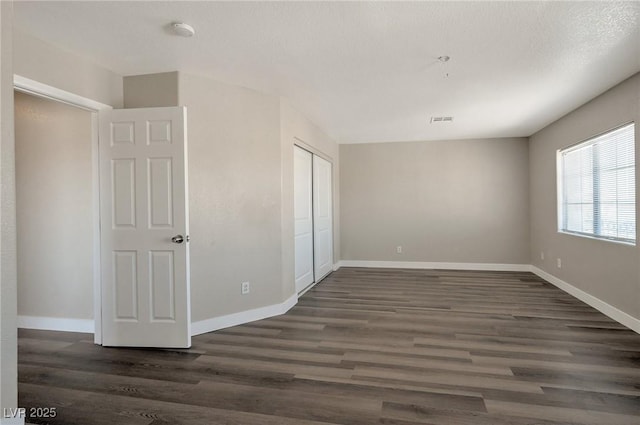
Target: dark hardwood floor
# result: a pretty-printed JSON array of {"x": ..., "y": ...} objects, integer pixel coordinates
[{"x": 363, "y": 347}]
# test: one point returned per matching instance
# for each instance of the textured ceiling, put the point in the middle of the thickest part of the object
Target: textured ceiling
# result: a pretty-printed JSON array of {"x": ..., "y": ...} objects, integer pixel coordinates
[{"x": 368, "y": 71}]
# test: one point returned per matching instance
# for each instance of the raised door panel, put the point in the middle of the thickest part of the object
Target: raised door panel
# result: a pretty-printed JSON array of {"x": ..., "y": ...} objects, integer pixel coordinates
[
  {"x": 162, "y": 282},
  {"x": 160, "y": 189},
  {"x": 125, "y": 289},
  {"x": 123, "y": 176}
]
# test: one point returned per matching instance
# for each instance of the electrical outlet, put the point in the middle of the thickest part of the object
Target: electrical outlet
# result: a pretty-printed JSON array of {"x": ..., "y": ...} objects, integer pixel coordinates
[
  {"x": 559, "y": 263},
  {"x": 245, "y": 288},
  {"x": 399, "y": 249},
  {"x": 542, "y": 255}
]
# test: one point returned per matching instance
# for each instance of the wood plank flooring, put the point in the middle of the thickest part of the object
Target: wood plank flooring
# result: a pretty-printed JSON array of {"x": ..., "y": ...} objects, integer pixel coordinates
[{"x": 365, "y": 346}]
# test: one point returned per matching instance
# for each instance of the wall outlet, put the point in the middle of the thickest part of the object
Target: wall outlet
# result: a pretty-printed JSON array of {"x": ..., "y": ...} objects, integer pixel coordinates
[
  {"x": 399, "y": 249},
  {"x": 542, "y": 255},
  {"x": 559, "y": 263},
  {"x": 245, "y": 288}
]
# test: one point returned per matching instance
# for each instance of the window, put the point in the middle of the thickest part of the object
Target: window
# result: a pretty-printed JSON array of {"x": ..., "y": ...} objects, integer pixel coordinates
[{"x": 597, "y": 187}]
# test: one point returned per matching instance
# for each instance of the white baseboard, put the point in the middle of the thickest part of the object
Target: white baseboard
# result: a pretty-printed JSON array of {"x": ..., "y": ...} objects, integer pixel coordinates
[
  {"x": 431, "y": 265},
  {"x": 197, "y": 328},
  {"x": 336, "y": 266},
  {"x": 56, "y": 324},
  {"x": 607, "y": 309},
  {"x": 216, "y": 323}
]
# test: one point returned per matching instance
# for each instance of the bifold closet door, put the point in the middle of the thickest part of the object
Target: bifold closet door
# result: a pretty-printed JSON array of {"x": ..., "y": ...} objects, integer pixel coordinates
[
  {"x": 322, "y": 218},
  {"x": 303, "y": 216}
]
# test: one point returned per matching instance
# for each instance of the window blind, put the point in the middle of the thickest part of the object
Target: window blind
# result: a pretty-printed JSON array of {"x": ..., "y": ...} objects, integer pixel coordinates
[{"x": 598, "y": 190}]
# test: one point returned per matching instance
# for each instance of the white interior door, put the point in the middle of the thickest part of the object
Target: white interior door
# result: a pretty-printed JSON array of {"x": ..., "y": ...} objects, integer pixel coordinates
[
  {"x": 303, "y": 216},
  {"x": 322, "y": 217},
  {"x": 144, "y": 228}
]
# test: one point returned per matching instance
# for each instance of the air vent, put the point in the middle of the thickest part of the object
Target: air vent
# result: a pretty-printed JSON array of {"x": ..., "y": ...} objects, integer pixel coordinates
[{"x": 441, "y": 119}]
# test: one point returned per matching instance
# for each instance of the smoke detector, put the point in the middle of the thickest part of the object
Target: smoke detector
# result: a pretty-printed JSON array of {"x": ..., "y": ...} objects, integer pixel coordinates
[{"x": 182, "y": 29}]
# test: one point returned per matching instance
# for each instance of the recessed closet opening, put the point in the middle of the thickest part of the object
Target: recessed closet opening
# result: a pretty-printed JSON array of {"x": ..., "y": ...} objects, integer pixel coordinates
[{"x": 313, "y": 215}]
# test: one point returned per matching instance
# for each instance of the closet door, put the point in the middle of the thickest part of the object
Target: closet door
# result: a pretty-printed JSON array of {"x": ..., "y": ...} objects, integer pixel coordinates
[
  {"x": 303, "y": 215},
  {"x": 322, "y": 217}
]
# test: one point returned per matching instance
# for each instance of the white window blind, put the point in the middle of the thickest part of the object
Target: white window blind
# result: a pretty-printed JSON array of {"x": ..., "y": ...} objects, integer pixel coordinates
[{"x": 597, "y": 193}]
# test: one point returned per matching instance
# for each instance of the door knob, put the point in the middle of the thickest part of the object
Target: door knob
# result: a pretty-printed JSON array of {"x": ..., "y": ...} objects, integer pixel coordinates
[{"x": 180, "y": 239}]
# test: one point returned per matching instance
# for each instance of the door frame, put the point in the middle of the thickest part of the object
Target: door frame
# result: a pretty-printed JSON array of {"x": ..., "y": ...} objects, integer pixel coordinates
[{"x": 35, "y": 88}]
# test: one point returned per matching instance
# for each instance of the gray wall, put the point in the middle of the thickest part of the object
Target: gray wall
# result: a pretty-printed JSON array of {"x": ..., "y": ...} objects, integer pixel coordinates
[
  {"x": 234, "y": 196},
  {"x": 151, "y": 90},
  {"x": 462, "y": 201},
  {"x": 8, "y": 303},
  {"x": 606, "y": 270},
  {"x": 54, "y": 209}
]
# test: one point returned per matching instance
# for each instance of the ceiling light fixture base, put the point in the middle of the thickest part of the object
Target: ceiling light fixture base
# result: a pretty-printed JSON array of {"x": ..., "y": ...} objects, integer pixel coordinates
[{"x": 182, "y": 29}]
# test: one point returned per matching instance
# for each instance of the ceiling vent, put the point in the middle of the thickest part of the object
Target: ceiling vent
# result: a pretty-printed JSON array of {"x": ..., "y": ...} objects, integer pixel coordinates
[{"x": 441, "y": 119}]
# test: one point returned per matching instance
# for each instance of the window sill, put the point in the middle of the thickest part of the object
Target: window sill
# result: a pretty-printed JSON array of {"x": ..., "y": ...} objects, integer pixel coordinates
[{"x": 597, "y": 238}]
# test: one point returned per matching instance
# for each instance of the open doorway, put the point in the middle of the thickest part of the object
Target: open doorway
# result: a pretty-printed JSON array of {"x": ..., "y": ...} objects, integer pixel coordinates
[
  {"x": 54, "y": 205},
  {"x": 90, "y": 108}
]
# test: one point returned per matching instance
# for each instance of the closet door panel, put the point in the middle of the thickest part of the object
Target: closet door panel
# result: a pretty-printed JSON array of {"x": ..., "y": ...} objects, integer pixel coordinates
[
  {"x": 322, "y": 217},
  {"x": 303, "y": 217}
]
